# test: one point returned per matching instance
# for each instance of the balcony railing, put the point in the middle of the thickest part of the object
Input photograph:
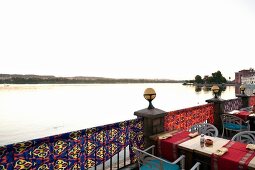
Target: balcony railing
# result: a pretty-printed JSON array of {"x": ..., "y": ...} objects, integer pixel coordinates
[
  {"x": 251, "y": 100},
  {"x": 185, "y": 118},
  {"x": 232, "y": 104},
  {"x": 104, "y": 147}
]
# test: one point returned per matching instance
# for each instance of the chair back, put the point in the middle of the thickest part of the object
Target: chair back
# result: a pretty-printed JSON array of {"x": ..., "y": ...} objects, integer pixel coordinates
[
  {"x": 205, "y": 128},
  {"x": 150, "y": 161},
  {"x": 229, "y": 119},
  {"x": 247, "y": 137}
]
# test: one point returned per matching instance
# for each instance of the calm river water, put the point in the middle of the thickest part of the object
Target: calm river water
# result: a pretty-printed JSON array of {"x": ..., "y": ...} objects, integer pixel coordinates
[{"x": 34, "y": 111}]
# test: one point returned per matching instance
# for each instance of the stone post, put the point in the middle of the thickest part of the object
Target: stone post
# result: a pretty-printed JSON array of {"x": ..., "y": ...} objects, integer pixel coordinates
[
  {"x": 153, "y": 120},
  {"x": 243, "y": 96},
  {"x": 245, "y": 99},
  {"x": 217, "y": 112}
]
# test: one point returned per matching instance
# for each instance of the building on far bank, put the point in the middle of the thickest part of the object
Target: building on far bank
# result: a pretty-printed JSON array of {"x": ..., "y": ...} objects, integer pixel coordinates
[
  {"x": 245, "y": 77},
  {"x": 248, "y": 80}
]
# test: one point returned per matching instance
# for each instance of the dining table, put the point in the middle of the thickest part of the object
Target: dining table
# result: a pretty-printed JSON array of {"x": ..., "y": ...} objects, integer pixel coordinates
[
  {"x": 180, "y": 142},
  {"x": 245, "y": 114},
  {"x": 201, "y": 152},
  {"x": 237, "y": 157}
]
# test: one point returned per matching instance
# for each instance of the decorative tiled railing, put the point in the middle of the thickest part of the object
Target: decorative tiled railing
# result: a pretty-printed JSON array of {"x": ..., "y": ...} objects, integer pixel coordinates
[
  {"x": 185, "y": 118},
  {"x": 82, "y": 149},
  {"x": 251, "y": 100},
  {"x": 232, "y": 104}
]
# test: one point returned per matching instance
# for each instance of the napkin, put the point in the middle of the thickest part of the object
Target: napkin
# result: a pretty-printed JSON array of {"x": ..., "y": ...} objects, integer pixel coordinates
[
  {"x": 192, "y": 135},
  {"x": 250, "y": 146},
  {"x": 234, "y": 112},
  {"x": 165, "y": 136},
  {"x": 221, "y": 151}
]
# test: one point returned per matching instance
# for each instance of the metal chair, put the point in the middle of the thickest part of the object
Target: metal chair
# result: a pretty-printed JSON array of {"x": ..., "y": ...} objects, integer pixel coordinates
[
  {"x": 147, "y": 161},
  {"x": 205, "y": 128},
  {"x": 233, "y": 123},
  {"x": 247, "y": 137}
]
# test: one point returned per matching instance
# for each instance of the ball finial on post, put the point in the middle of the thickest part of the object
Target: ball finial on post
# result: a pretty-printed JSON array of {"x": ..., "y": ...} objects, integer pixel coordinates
[{"x": 149, "y": 94}]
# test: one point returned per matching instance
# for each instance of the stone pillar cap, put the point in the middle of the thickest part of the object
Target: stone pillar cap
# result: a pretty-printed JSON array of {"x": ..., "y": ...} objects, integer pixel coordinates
[{"x": 150, "y": 113}]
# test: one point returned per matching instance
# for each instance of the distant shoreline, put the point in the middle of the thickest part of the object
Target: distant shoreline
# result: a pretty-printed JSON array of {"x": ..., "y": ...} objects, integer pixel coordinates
[
  {"x": 37, "y": 79},
  {"x": 209, "y": 85},
  {"x": 93, "y": 82}
]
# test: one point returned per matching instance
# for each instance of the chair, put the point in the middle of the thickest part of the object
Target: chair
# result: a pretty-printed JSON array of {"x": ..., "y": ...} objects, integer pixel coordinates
[
  {"x": 233, "y": 123},
  {"x": 247, "y": 137},
  {"x": 205, "y": 128},
  {"x": 147, "y": 161}
]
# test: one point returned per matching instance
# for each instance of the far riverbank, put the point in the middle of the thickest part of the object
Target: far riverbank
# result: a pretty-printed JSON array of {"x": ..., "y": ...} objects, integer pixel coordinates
[
  {"x": 38, "y": 79},
  {"x": 210, "y": 85}
]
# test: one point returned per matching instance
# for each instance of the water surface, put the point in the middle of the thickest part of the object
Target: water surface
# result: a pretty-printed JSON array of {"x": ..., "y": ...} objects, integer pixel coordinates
[{"x": 34, "y": 111}]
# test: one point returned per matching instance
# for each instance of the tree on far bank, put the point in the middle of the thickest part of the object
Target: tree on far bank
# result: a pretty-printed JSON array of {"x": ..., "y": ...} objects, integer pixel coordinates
[
  {"x": 198, "y": 79},
  {"x": 216, "y": 78}
]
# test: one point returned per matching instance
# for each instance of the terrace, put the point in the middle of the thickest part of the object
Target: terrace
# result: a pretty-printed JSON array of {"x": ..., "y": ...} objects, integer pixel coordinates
[{"x": 112, "y": 146}]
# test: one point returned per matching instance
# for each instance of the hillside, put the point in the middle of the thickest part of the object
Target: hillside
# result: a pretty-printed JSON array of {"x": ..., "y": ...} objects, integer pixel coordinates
[{"x": 49, "y": 79}]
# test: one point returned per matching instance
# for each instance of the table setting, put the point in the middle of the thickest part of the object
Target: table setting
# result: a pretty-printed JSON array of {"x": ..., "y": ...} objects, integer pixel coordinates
[{"x": 234, "y": 154}]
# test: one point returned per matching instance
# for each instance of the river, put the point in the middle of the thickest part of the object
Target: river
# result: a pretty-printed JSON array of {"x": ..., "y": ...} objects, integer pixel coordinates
[{"x": 34, "y": 111}]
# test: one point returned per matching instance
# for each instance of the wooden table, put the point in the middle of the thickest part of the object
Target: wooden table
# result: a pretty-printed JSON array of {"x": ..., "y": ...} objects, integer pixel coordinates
[
  {"x": 156, "y": 136},
  {"x": 249, "y": 115},
  {"x": 201, "y": 153},
  {"x": 195, "y": 152},
  {"x": 243, "y": 114},
  {"x": 156, "y": 140},
  {"x": 251, "y": 165}
]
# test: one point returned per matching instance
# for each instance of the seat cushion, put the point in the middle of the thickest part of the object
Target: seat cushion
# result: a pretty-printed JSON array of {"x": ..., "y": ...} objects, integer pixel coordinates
[
  {"x": 155, "y": 164},
  {"x": 233, "y": 126}
]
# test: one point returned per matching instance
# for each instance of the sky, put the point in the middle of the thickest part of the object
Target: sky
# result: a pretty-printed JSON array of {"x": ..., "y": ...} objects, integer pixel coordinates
[{"x": 159, "y": 39}]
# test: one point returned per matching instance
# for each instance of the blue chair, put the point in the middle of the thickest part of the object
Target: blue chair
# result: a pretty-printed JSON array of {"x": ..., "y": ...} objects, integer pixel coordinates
[
  {"x": 205, "y": 128},
  {"x": 233, "y": 123},
  {"x": 147, "y": 161},
  {"x": 247, "y": 137}
]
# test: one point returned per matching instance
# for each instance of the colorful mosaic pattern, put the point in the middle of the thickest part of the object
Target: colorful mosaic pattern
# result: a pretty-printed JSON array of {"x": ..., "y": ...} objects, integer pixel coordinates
[
  {"x": 75, "y": 150},
  {"x": 232, "y": 104},
  {"x": 136, "y": 138},
  {"x": 185, "y": 118},
  {"x": 252, "y": 101}
]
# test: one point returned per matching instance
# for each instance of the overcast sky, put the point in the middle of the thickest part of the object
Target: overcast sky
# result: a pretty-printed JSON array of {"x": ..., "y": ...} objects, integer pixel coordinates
[{"x": 127, "y": 39}]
